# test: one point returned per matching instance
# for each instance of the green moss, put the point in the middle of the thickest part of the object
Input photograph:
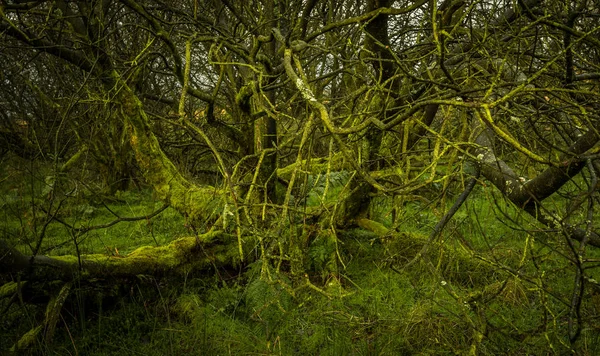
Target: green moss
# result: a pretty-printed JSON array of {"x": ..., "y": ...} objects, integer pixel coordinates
[
  {"x": 8, "y": 289},
  {"x": 74, "y": 260},
  {"x": 188, "y": 307},
  {"x": 373, "y": 226},
  {"x": 27, "y": 340},
  {"x": 314, "y": 166},
  {"x": 230, "y": 311}
]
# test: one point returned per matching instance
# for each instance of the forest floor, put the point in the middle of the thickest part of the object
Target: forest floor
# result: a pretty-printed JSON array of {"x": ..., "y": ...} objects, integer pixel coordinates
[{"x": 486, "y": 286}]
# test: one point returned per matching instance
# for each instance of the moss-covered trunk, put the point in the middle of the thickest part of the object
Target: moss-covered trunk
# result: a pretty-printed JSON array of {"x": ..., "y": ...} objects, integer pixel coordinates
[{"x": 198, "y": 203}]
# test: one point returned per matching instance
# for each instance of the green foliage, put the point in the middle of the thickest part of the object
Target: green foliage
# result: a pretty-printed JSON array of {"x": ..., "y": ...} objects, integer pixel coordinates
[
  {"x": 315, "y": 186},
  {"x": 357, "y": 304},
  {"x": 398, "y": 110},
  {"x": 322, "y": 254}
]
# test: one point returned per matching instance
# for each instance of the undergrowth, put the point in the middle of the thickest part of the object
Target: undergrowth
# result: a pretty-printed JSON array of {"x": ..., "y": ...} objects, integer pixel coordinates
[{"x": 493, "y": 283}]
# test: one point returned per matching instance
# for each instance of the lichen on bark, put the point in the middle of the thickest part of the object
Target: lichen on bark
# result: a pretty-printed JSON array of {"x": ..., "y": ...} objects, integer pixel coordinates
[{"x": 198, "y": 203}]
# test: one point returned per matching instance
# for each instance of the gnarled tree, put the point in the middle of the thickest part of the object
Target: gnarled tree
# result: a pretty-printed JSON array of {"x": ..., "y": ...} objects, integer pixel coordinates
[{"x": 228, "y": 110}]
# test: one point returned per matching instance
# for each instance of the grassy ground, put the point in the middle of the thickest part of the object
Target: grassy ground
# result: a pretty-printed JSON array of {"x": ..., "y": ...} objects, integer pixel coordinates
[
  {"x": 27, "y": 206},
  {"x": 491, "y": 284}
]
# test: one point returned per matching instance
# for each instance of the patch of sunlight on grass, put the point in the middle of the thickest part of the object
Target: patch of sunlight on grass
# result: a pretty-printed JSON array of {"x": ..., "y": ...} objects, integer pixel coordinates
[{"x": 22, "y": 228}]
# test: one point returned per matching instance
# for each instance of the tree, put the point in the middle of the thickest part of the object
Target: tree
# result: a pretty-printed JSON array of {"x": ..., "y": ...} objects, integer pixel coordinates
[{"x": 230, "y": 111}]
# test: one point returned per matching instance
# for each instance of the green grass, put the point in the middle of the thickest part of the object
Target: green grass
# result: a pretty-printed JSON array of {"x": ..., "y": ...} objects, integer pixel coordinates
[
  {"x": 492, "y": 271},
  {"x": 23, "y": 222}
]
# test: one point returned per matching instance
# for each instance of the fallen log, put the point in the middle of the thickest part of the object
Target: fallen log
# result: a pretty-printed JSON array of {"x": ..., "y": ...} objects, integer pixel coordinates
[{"x": 180, "y": 256}]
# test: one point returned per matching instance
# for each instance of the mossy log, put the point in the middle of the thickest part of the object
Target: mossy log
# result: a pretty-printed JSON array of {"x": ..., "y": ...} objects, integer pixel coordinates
[
  {"x": 183, "y": 255},
  {"x": 188, "y": 254}
]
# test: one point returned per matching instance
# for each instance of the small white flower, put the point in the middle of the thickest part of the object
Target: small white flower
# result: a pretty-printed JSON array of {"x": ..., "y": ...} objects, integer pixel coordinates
[{"x": 444, "y": 283}]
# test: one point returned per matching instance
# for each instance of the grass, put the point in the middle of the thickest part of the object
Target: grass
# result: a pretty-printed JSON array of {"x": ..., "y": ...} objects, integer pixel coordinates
[
  {"x": 23, "y": 218},
  {"x": 491, "y": 275}
]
